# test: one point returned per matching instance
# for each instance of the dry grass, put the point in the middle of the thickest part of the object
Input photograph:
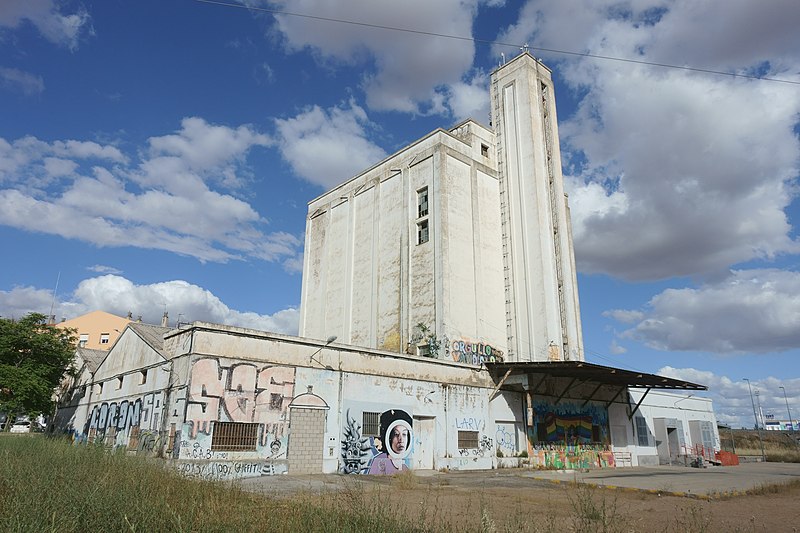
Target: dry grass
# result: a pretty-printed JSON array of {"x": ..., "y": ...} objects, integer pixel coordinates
[{"x": 49, "y": 485}]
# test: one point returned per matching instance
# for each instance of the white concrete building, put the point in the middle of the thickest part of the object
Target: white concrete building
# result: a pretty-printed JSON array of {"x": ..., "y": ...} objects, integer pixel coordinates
[
  {"x": 459, "y": 240},
  {"x": 440, "y": 328}
]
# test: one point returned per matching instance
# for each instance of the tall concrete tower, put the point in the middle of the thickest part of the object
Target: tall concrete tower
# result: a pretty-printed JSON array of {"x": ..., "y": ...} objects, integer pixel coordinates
[{"x": 541, "y": 290}]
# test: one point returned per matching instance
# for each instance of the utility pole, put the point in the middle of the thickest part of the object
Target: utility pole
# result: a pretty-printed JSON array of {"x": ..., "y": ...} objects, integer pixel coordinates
[
  {"x": 788, "y": 411},
  {"x": 755, "y": 416}
]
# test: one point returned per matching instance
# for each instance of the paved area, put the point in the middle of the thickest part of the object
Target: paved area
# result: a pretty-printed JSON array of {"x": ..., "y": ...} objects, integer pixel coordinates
[
  {"x": 700, "y": 482},
  {"x": 678, "y": 479}
]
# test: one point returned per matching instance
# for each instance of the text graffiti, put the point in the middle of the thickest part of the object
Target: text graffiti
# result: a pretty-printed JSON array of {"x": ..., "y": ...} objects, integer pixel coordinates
[{"x": 475, "y": 353}]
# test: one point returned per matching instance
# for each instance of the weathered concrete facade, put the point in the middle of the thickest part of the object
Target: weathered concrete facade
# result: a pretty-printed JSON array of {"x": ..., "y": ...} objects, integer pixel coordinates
[
  {"x": 453, "y": 254},
  {"x": 406, "y": 257},
  {"x": 460, "y": 239}
]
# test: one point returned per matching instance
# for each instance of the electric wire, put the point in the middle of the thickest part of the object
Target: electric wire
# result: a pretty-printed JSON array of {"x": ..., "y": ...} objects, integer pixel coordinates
[{"x": 493, "y": 42}]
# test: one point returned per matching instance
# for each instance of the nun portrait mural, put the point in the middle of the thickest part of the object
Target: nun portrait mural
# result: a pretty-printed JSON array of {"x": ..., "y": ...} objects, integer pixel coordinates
[{"x": 387, "y": 454}]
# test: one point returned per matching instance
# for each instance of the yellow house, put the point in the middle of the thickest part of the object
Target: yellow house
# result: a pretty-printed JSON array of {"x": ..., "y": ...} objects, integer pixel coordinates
[{"x": 97, "y": 330}]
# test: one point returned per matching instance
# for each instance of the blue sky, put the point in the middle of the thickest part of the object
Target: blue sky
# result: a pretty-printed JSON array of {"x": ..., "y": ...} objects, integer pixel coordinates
[{"x": 152, "y": 157}]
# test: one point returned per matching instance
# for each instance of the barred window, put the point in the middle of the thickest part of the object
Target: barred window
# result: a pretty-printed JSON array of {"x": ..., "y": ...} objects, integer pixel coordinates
[
  {"x": 371, "y": 424},
  {"x": 234, "y": 436},
  {"x": 468, "y": 439}
]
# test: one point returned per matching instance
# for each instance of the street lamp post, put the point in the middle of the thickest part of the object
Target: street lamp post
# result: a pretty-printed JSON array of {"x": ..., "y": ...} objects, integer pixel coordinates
[
  {"x": 755, "y": 416},
  {"x": 788, "y": 411}
]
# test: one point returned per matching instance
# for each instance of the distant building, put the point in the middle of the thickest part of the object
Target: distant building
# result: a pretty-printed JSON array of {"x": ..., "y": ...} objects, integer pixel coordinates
[{"x": 97, "y": 330}]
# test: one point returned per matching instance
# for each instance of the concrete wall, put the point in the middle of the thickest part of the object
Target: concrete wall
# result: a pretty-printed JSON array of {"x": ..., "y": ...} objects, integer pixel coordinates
[
  {"x": 368, "y": 281},
  {"x": 543, "y": 310},
  {"x": 658, "y": 410}
]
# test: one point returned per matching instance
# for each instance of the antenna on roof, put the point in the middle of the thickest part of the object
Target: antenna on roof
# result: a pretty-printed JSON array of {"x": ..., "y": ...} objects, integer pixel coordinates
[
  {"x": 524, "y": 48},
  {"x": 502, "y": 58},
  {"x": 53, "y": 303}
]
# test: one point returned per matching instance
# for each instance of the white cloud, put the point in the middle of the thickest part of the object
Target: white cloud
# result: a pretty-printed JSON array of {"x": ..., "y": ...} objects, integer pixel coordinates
[
  {"x": 166, "y": 202},
  {"x": 329, "y": 146},
  {"x": 58, "y": 28},
  {"x": 732, "y": 401},
  {"x": 470, "y": 99},
  {"x": 18, "y": 80},
  {"x": 118, "y": 295},
  {"x": 751, "y": 311},
  {"x": 20, "y": 301},
  {"x": 403, "y": 70},
  {"x": 616, "y": 349},
  {"x": 675, "y": 173},
  {"x": 104, "y": 269}
]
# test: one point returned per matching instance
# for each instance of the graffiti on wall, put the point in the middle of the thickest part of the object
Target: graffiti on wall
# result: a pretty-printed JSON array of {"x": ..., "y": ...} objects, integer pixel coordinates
[
  {"x": 388, "y": 453},
  {"x": 570, "y": 423},
  {"x": 241, "y": 392},
  {"x": 556, "y": 456},
  {"x": 569, "y": 435},
  {"x": 119, "y": 417},
  {"x": 474, "y": 353},
  {"x": 223, "y": 470},
  {"x": 483, "y": 445}
]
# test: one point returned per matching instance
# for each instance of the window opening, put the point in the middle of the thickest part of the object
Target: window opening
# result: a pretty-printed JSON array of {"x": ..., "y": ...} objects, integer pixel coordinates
[
  {"x": 234, "y": 436},
  {"x": 422, "y": 232},
  {"x": 371, "y": 424},
  {"x": 468, "y": 439},
  {"x": 641, "y": 431},
  {"x": 422, "y": 202}
]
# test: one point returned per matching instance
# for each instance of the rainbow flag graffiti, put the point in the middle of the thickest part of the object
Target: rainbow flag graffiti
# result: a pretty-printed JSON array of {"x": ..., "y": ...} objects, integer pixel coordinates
[{"x": 568, "y": 428}]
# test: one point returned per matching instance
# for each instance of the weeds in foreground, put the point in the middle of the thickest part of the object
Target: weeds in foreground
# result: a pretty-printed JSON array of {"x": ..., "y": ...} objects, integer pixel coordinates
[
  {"x": 49, "y": 485},
  {"x": 594, "y": 511},
  {"x": 691, "y": 518}
]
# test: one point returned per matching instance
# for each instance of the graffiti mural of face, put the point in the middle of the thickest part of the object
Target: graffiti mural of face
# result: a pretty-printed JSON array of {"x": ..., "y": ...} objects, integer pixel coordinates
[{"x": 399, "y": 436}]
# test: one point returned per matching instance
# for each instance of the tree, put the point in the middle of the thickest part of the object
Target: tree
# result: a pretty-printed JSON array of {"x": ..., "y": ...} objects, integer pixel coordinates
[{"x": 34, "y": 357}]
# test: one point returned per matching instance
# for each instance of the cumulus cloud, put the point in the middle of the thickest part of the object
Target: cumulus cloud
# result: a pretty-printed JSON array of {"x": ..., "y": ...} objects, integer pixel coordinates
[
  {"x": 751, "y": 311},
  {"x": 178, "y": 197},
  {"x": 731, "y": 396},
  {"x": 326, "y": 147},
  {"x": 675, "y": 173},
  {"x": 55, "y": 26},
  {"x": 118, "y": 295},
  {"x": 403, "y": 72},
  {"x": 18, "y": 80}
]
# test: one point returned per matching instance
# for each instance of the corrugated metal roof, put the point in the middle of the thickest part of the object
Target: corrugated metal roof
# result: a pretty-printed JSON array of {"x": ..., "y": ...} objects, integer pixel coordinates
[{"x": 591, "y": 372}]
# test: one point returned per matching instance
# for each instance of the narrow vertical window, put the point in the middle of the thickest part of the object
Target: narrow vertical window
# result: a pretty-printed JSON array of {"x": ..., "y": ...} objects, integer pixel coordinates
[
  {"x": 484, "y": 150},
  {"x": 422, "y": 202},
  {"x": 422, "y": 232}
]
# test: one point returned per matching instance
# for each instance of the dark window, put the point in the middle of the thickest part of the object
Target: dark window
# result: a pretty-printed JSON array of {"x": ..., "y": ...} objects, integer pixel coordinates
[
  {"x": 276, "y": 401},
  {"x": 641, "y": 431},
  {"x": 422, "y": 232},
  {"x": 484, "y": 150},
  {"x": 234, "y": 436},
  {"x": 144, "y": 377},
  {"x": 468, "y": 439},
  {"x": 422, "y": 202}
]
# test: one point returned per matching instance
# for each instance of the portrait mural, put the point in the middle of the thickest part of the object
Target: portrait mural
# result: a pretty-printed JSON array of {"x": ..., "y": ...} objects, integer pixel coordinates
[{"x": 387, "y": 451}]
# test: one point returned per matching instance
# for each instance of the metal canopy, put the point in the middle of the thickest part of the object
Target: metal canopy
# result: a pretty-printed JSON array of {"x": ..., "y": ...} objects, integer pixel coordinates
[{"x": 589, "y": 372}]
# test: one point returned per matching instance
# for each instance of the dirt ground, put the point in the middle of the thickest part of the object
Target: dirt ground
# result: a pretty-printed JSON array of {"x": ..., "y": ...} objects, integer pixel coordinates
[
  {"x": 508, "y": 501},
  {"x": 524, "y": 504}
]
